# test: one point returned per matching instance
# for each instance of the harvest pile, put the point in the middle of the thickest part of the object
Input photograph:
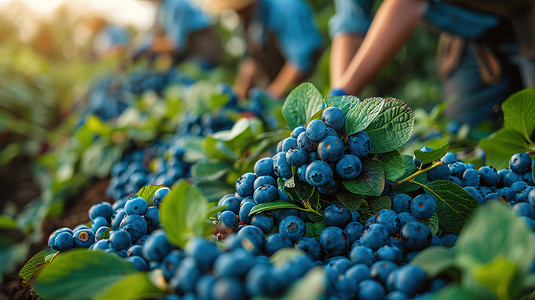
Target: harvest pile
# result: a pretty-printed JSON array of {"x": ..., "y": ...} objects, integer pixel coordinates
[{"x": 336, "y": 212}]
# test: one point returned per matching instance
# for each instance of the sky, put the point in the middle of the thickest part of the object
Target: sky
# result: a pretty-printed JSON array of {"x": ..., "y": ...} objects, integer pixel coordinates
[{"x": 135, "y": 12}]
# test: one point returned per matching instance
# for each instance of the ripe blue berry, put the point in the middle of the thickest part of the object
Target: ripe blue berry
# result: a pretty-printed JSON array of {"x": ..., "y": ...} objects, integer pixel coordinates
[
  {"x": 292, "y": 227},
  {"x": 282, "y": 168},
  {"x": 120, "y": 239},
  {"x": 262, "y": 221},
  {"x": 296, "y": 156},
  {"x": 135, "y": 225},
  {"x": 349, "y": 166},
  {"x": 423, "y": 206},
  {"x": 264, "y": 167},
  {"x": 310, "y": 246},
  {"x": 156, "y": 247},
  {"x": 159, "y": 195},
  {"x": 415, "y": 236},
  {"x": 316, "y": 130},
  {"x": 227, "y": 219},
  {"x": 265, "y": 193},
  {"x": 470, "y": 178},
  {"x": 520, "y": 163},
  {"x": 374, "y": 236},
  {"x": 102, "y": 209},
  {"x": 135, "y": 206},
  {"x": 386, "y": 217},
  {"x": 289, "y": 143},
  {"x": 333, "y": 117},
  {"x": 295, "y": 133},
  {"x": 275, "y": 242},
  {"x": 245, "y": 184},
  {"x": 331, "y": 149},
  {"x": 245, "y": 209},
  {"x": 336, "y": 215},
  {"x": 359, "y": 144},
  {"x": 63, "y": 241},
  {"x": 305, "y": 143},
  {"x": 334, "y": 241},
  {"x": 319, "y": 173},
  {"x": 83, "y": 238}
]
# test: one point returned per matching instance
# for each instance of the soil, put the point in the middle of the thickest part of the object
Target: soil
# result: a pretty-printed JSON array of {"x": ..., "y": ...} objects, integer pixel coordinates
[{"x": 75, "y": 213}]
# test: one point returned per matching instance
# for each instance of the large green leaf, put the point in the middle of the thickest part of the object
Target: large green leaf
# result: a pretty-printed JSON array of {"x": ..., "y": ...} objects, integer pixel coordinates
[
  {"x": 435, "y": 260},
  {"x": 370, "y": 182},
  {"x": 454, "y": 205},
  {"x": 392, "y": 128},
  {"x": 344, "y": 103},
  {"x": 500, "y": 146},
  {"x": 301, "y": 104},
  {"x": 425, "y": 157},
  {"x": 519, "y": 112},
  {"x": 298, "y": 191},
  {"x": 133, "y": 287},
  {"x": 183, "y": 213},
  {"x": 454, "y": 291},
  {"x": 210, "y": 170},
  {"x": 392, "y": 163},
  {"x": 362, "y": 114},
  {"x": 383, "y": 202},
  {"x": 214, "y": 190},
  {"x": 35, "y": 264},
  {"x": 7, "y": 222},
  {"x": 277, "y": 204},
  {"x": 409, "y": 170},
  {"x": 81, "y": 274},
  {"x": 147, "y": 193},
  {"x": 349, "y": 200},
  {"x": 493, "y": 232}
]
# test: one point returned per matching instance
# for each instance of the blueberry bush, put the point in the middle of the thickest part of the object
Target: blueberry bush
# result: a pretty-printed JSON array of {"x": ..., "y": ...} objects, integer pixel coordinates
[{"x": 336, "y": 212}]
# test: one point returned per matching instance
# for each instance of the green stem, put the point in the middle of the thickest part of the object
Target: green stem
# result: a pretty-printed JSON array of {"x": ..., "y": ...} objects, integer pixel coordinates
[
  {"x": 310, "y": 209},
  {"x": 421, "y": 171}
]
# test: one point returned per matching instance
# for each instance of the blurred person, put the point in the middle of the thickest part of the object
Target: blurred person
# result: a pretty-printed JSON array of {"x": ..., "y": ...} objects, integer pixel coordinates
[
  {"x": 283, "y": 43},
  {"x": 183, "y": 31},
  {"x": 107, "y": 39},
  {"x": 485, "y": 52}
]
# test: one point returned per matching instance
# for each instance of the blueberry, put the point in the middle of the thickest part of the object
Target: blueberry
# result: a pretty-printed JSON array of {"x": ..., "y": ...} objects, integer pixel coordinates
[
  {"x": 457, "y": 169},
  {"x": 336, "y": 215},
  {"x": 470, "y": 178},
  {"x": 361, "y": 255},
  {"x": 390, "y": 253},
  {"x": 524, "y": 209},
  {"x": 334, "y": 241},
  {"x": 292, "y": 227},
  {"x": 204, "y": 252},
  {"x": 354, "y": 231},
  {"x": 331, "y": 149},
  {"x": 510, "y": 178},
  {"x": 234, "y": 264},
  {"x": 449, "y": 158},
  {"x": 227, "y": 219},
  {"x": 275, "y": 242},
  {"x": 355, "y": 216},
  {"x": 358, "y": 272},
  {"x": 296, "y": 156},
  {"x": 289, "y": 143},
  {"x": 170, "y": 263},
  {"x": 117, "y": 218},
  {"x": 386, "y": 217},
  {"x": 404, "y": 218},
  {"x": 264, "y": 180},
  {"x": 83, "y": 238},
  {"x": 64, "y": 241},
  {"x": 245, "y": 184},
  {"x": 319, "y": 173},
  {"x": 329, "y": 189},
  {"x": 135, "y": 206},
  {"x": 157, "y": 246},
  {"x": 245, "y": 209},
  {"x": 135, "y": 250},
  {"x": 316, "y": 130},
  {"x": 520, "y": 163},
  {"x": 301, "y": 172},
  {"x": 228, "y": 288},
  {"x": 232, "y": 204},
  {"x": 359, "y": 144},
  {"x": 401, "y": 203},
  {"x": 456, "y": 180},
  {"x": 333, "y": 117},
  {"x": 120, "y": 239},
  {"x": 264, "y": 167},
  {"x": 265, "y": 193},
  {"x": 204, "y": 288},
  {"x": 295, "y": 133},
  {"x": 423, "y": 206},
  {"x": 312, "y": 156},
  {"x": 518, "y": 186},
  {"x": 281, "y": 166},
  {"x": 381, "y": 269},
  {"x": 336, "y": 267},
  {"x": 474, "y": 192},
  {"x": 349, "y": 166},
  {"x": 101, "y": 245},
  {"x": 254, "y": 236},
  {"x": 415, "y": 236},
  {"x": 159, "y": 195},
  {"x": 310, "y": 246},
  {"x": 102, "y": 209},
  {"x": 440, "y": 172},
  {"x": 135, "y": 225},
  {"x": 409, "y": 279},
  {"x": 97, "y": 223},
  {"x": 262, "y": 221},
  {"x": 449, "y": 240},
  {"x": 186, "y": 276},
  {"x": 506, "y": 194},
  {"x": 261, "y": 282},
  {"x": 374, "y": 236},
  {"x": 306, "y": 144},
  {"x": 370, "y": 289},
  {"x": 488, "y": 176},
  {"x": 331, "y": 132},
  {"x": 138, "y": 262}
]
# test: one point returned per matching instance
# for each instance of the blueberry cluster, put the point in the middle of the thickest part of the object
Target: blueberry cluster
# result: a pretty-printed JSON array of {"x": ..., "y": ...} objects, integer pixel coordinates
[
  {"x": 132, "y": 229},
  {"x": 106, "y": 99},
  {"x": 146, "y": 80},
  {"x": 161, "y": 163}
]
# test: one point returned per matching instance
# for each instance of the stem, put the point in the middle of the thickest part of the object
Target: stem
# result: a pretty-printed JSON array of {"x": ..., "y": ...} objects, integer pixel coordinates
[
  {"x": 421, "y": 171},
  {"x": 309, "y": 208}
]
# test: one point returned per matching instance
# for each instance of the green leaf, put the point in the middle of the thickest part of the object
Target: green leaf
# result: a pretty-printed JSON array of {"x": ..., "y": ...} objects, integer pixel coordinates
[
  {"x": 495, "y": 232},
  {"x": 298, "y": 191},
  {"x": 133, "y": 287},
  {"x": 435, "y": 260},
  {"x": 311, "y": 287},
  {"x": 383, "y": 202},
  {"x": 431, "y": 156},
  {"x": 106, "y": 234},
  {"x": 314, "y": 217},
  {"x": 370, "y": 182},
  {"x": 519, "y": 113},
  {"x": 147, "y": 192},
  {"x": 217, "y": 149},
  {"x": 407, "y": 187},
  {"x": 6, "y": 222},
  {"x": 35, "y": 264},
  {"x": 183, "y": 213},
  {"x": 432, "y": 223},
  {"x": 454, "y": 291},
  {"x": 499, "y": 276},
  {"x": 301, "y": 104},
  {"x": 349, "y": 201},
  {"x": 98, "y": 159},
  {"x": 277, "y": 204},
  {"x": 317, "y": 115},
  {"x": 501, "y": 145},
  {"x": 207, "y": 170},
  {"x": 81, "y": 274},
  {"x": 314, "y": 200},
  {"x": 362, "y": 114},
  {"x": 344, "y": 103},
  {"x": 392, "y": 163},
  {"x": 214, "y": 190},
  {"x": 284, "y": 255},
  {"x": 392, "y": 128},
  {"x": 454, "y": 205}
]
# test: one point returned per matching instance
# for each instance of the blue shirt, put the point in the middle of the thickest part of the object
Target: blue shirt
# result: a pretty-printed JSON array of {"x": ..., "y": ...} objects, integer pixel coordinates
[
  {"x": 292, "y": 23},
  {"x": 178, "y": 18},
  {"x": 109, "y": 38},
  {"x": 354, "y": 16}
]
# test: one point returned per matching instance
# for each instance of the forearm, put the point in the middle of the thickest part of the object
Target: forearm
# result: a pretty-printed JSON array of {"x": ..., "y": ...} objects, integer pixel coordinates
[
  {"x": 392, "y": 26},
  {"x": 288, "y": 75},
  {"x": 245, "y": 78},
  {"x": 343, "y": 49}
]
